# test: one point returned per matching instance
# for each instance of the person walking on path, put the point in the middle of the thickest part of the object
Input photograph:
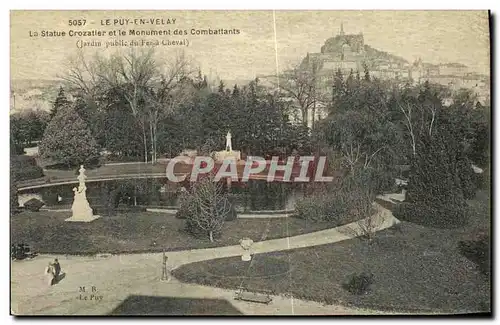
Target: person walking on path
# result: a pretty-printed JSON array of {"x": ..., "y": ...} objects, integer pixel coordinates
[
  {"x": 53, "y": 270},
  {"x": 57, "y": 268}
]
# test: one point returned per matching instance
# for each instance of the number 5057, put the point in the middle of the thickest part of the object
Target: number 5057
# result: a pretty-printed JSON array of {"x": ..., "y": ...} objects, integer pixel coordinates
[{"x": 77, "y": 22}]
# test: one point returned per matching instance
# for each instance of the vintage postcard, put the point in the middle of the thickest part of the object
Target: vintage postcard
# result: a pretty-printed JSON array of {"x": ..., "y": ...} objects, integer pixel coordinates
[{"x": 250, "y": 162}]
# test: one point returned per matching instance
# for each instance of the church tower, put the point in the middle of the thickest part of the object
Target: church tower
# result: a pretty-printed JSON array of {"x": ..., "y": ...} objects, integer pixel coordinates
[{"x": 342, "y": 29}]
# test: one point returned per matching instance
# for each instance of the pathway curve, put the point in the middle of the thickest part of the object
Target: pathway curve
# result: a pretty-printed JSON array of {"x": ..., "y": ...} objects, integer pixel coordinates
[{"x": 117, "y": 277}]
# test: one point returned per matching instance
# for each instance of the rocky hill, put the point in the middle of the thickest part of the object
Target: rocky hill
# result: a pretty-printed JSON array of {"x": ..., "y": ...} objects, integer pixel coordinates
[{"x": 375, "y": 55}]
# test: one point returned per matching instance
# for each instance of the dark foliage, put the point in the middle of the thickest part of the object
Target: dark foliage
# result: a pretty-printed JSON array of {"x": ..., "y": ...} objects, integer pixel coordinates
[
  {"x": 432, "y": 214},
  {"x": 14, "y": 200},
  {"x": 24, "y": 168},
  {"x": 69, "y": 140},
  {"x": 478, "y": 251},
  {"x": 33, "y": 205},
  {"x": 20, "y": 251},
  {"x": 32, "y": 172},
  {"x": 60, "y": 102},
  {"x": 348, "y": 200},
  {"x": 440, "y": 182},
  {"x": 22, "y": 161},
  {"x": 359, "y": 284}
]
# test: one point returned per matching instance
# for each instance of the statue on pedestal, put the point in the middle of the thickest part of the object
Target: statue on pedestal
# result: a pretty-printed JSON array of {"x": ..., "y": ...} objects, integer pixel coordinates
[
  {"x": 229, "y": 146},
  {"x": 246, "y": 244},
  {"x": 82, "y": 212},
  {"x": 228, "y": 153}
]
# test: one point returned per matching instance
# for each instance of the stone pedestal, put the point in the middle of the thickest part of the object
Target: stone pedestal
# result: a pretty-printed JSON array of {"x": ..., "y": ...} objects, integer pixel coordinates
[
  {"x": 246, "y": 244},
  {"x": 82, "y": 212}
]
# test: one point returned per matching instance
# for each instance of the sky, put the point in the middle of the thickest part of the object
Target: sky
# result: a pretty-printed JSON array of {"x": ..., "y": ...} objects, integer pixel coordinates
[{"x": 266, "y": 43}]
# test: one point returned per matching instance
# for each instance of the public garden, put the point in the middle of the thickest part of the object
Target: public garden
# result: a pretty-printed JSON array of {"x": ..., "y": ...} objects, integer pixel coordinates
[{"x": 404, "y": 226}]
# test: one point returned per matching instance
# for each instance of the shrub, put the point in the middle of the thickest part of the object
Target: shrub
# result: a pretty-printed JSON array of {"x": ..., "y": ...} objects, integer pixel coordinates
[
  {"x": 232, "y": 214},
  {"x": 25, "y": 167},
  {"x": 478, "y": 251},
  {"x": 33, "y": 205},
  {"x": 50, "y": 198},
  {"x": 22, "y": 161},
  {"x": 16, "y": 148},
  {"x": 31, "y": 172},
  {"x": 208, "y": 208},
  {"x": 340, "y": 204},
  {"x": 187, "y": 206},
  {"x": 359, "y": 284},
  {"x": 313, "y": 208},
  {"x": 432, "y": 214}
]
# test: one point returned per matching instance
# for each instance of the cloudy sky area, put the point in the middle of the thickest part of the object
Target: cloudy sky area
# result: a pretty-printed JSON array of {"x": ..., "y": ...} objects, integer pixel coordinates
[{"x": 435, "y": 36}]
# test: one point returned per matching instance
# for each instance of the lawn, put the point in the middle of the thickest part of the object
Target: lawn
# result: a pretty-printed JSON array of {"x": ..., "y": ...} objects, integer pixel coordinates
[
  {"x": 108, "y": 170},
  {"x": 47, "y": 232},
  {"x": 415, "y": 268},
  {"x": 104, "y": 171}
]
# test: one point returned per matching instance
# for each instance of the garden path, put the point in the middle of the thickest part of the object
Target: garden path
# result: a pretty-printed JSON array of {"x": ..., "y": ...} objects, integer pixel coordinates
[{"x": 116, "y": 277}]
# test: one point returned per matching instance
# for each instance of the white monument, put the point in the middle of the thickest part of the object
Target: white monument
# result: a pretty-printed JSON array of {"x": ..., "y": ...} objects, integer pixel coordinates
[
  {"x": 82, "y": 212},
  {"x": 228, "y": 153},
  {"x": 229, "y": 146}
]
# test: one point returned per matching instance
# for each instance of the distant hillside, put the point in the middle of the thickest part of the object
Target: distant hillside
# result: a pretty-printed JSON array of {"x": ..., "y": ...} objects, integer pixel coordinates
[
  {"x": 33, "y": 94},
  {"x": 374, "y": 54}
]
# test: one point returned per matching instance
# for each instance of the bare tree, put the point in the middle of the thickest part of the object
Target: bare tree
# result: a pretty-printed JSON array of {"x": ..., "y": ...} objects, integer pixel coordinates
[
  {"x": 408, "y": 109},
  {"x": 357, "y": 139},
  {"x": 364, "y": 211},
  {"x": 172, "y": 88},
  {"x": 133, "y": 74},
  {"x": 418, "y": 120},
  {"x": 212, "y": 206},
  {"x": 150, "y": 88},
  {"x": 301, "y": 85},
  {"x": 83, "y": 75}
]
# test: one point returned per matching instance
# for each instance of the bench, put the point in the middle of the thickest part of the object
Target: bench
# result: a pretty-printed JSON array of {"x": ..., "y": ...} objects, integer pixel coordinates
[{"x": 253, "y": 297}]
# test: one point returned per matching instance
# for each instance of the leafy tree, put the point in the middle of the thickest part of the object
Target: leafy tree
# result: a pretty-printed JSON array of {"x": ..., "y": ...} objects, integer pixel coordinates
[
  {"x": 118, "y": 130},
  {"x": 416, "y": 111},
  {"x": 14, "y": 201},
  {"x": 360, "y": 125},
  {"x": 469, "y": 123},
  {"x": 221, "y": 87},
  {"x": 366, "y": 72},
  {"x": 27, "y": 127},
  {"x": 89, "y": 113},
  {"x": 120, "y": 133},
  {"x": 435, "y": 180},
  {"x": 68, "y": 140},
  {"x": 61, "y": 101},
  {"x": 18, "y": 135}
]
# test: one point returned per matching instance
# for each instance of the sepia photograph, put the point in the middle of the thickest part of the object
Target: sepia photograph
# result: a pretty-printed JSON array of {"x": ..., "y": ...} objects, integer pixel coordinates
[{"x": 250, "y": 162}]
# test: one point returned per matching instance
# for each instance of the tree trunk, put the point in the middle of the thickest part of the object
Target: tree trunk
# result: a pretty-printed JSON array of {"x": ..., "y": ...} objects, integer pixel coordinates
[
  {"x": 155, "y": 128},
  {"x": 211, "y": 234},
  {"x": 313, "y": 115},
  {"x": 145, "y": 143},
  {"x": 304, "y": 117},
  {"x": 152, "y": 145}
]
